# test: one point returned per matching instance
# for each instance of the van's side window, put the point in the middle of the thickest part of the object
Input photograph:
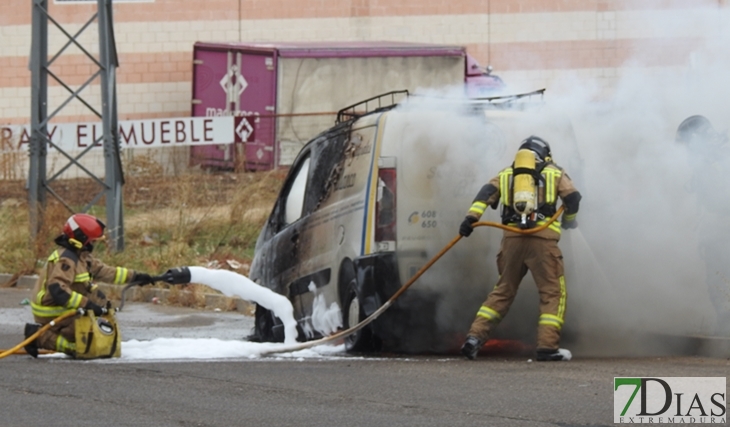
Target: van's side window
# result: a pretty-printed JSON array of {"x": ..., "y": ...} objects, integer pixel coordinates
[
  {"x": 326, "y": 168},
  {"x": 295, "y": 198}
]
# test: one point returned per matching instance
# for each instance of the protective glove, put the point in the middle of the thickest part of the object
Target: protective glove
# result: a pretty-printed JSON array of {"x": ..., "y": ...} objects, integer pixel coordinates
[
  {"x": 143, "y": 279},
  {"x": 569, "y": 225},
  {"x": 98, "y": 311},
  {"x": 466, "y": 226}
]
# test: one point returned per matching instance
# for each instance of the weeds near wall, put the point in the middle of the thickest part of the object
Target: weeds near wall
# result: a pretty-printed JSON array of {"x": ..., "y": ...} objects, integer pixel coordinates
[{"x": 197, "y": 218}]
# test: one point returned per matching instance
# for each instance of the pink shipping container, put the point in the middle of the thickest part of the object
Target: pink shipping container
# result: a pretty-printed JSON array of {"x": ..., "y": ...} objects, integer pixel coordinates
[{"x": 283, "y": 94}]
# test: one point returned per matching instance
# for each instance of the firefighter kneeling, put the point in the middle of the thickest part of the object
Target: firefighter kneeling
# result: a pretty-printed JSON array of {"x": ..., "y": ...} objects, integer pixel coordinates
[
  {"x": 67, "y": 286},
  {"x": 528, "y": 192}
]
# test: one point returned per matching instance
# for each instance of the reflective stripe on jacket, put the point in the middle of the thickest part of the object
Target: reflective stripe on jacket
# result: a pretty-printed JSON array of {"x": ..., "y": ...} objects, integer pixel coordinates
[{"x": 73, "y": 272}]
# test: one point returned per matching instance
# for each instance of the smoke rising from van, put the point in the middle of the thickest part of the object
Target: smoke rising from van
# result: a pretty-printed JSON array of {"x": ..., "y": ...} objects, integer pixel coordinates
[{"x": 633, "y": 267}]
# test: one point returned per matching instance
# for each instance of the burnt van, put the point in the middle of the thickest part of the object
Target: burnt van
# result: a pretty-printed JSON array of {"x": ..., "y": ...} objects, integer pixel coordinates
[{"x": 368, "y": 202}]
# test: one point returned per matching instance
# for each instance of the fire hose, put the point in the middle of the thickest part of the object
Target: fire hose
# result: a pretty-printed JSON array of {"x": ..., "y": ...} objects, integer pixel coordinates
[
  {"x": 30, "y": 339},
  {"x": 411, "y": 281}
]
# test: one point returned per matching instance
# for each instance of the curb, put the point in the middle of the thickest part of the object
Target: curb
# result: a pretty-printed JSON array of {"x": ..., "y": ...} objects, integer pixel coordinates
[
  {"x": 23, "y": 281},
  {"x": 173, "y": 296}
]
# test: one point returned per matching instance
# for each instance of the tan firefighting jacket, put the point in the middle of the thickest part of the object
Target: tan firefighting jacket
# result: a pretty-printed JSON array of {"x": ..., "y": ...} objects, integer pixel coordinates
[
  {"x": 74, "y": 271},
  {"x": 557, "y": 184}
]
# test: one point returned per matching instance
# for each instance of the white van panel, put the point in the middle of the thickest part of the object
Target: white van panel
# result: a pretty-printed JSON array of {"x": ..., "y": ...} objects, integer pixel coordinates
[
  {"x": 435, "y": 187},
  {"x": 335, "y": 231}
]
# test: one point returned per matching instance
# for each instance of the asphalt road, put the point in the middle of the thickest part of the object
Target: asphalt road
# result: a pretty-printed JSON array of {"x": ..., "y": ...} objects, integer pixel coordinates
[{"x": 356, "y": 391}]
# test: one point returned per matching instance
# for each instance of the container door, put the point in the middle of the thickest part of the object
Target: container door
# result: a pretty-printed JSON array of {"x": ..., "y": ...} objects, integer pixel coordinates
[
  {"x": 255, "y": 128},
  {"x": 209, "y": 99},
  {"x": 233, "y": 83}
]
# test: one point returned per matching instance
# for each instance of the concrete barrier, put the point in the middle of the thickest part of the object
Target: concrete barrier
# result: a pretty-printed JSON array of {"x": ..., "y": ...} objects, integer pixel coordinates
[{"x": 25, "y": 282}]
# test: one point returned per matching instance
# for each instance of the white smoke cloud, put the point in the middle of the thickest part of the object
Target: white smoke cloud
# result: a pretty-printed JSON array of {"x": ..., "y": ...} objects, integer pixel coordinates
[
  {"x": 633, "y": 267},
  {"x": 639, "y": 222}
]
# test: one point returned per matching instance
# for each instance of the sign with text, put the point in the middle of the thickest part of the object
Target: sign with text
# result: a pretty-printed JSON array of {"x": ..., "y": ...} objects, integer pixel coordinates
[
  {"x": 156, "y": 133},
  {"x": 669, "y": 400}
]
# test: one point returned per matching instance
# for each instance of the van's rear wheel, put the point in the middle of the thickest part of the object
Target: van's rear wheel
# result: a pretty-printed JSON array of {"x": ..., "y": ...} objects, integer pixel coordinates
[{"x": 352, "y": 314}]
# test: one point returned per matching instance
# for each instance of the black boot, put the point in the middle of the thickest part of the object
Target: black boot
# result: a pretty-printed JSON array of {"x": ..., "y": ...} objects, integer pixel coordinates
[
  {"x": 32, "y": 347},
  {"x": 552, "y": 355},
  {"x": 471, "y": 347}
]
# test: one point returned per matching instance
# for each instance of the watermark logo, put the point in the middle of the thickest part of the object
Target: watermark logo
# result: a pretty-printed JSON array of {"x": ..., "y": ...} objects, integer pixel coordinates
[{"x": 668, "y": 400}]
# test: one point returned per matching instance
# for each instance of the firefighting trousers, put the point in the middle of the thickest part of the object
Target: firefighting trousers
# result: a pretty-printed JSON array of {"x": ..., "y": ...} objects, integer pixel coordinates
[
  {"x": 543, "y": 258},
  {"x": 60, "y": 337}
]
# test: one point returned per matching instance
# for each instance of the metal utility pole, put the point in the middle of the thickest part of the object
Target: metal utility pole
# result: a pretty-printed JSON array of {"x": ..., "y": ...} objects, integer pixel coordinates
[
  {"x": 110, "y": 185},
  {"x": 38, "y": 115}
]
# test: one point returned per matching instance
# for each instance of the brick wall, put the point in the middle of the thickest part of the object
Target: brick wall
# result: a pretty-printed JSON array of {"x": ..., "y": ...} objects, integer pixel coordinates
[{"x": 530, "y": 43}]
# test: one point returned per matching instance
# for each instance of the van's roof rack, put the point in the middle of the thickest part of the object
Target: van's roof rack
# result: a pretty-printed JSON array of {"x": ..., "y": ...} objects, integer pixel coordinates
[
  {"x": 491, "y": 102},
  {"x": 384, "y": 101},
  {"x": 506, "y": 99}
]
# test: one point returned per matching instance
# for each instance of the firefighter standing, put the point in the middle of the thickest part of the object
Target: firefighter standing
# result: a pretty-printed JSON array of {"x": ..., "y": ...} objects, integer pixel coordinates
[
  {"x": 528, "y": 192},
  {"x": 709, "y": 157},
  {"x": 67, "y": 285}
]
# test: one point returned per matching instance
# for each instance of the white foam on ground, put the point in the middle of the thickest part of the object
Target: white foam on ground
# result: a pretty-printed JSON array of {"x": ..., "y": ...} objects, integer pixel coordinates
[
  {"x": 207, "y": 349},
  {"x": 213, "y": 348},
  {"x": 234, "y": 284},
  {"x": 567, "y": 355}
]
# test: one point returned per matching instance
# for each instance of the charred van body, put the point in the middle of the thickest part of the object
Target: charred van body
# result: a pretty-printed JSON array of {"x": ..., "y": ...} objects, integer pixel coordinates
[{"x": 365, "y": 205}]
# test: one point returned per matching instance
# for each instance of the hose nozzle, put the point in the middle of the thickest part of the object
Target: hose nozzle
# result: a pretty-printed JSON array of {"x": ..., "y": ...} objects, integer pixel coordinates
[{"x": 176, "y": 276}]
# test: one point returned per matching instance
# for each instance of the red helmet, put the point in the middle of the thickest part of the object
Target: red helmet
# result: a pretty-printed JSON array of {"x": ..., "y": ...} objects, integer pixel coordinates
[{"x": 84, "y": 227}]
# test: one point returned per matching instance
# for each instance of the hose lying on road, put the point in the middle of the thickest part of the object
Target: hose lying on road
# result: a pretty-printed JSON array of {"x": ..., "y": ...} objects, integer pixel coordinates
[
  {"x": 389, "y": 302},
  {"x": 30, "y": 339},
  {"x": 21, "y": 352},
  {"x": 18, "y": 349}
]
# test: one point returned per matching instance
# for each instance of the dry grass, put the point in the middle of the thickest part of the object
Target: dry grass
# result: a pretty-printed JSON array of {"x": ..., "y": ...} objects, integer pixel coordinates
[
  {"x": 188, "y": 296},
  {"x": 194, "y": 219}
]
